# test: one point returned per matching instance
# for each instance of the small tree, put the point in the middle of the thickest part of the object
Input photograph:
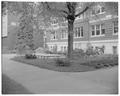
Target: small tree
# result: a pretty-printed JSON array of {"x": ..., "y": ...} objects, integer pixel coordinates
[{"x": 26, "y": 11}]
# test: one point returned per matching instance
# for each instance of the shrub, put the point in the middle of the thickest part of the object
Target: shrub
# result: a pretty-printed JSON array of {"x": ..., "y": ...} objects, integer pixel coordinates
[
  {"x": 78, "y": 53},
  {"x": 62, "y": 62},
  {"x": 89, "y": 51},
  {"x": 48, "y": 52},
  {"x": 101, "y": 62},
  {"x": 30, "y": 56},
  {"x": 60, "y": 53}
]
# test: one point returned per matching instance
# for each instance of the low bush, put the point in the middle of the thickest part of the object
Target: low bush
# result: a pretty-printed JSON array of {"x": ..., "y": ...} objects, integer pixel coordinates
[
  {"x": 48, "y": 52},
  {"x": 62, "y": 62},
  {"x": 59, "y": 52},
  {"x": 78, "y": 53},
  {"x": 90, "y": 51},
  {"x": 101, "y": 62},
  {"x": 30, "y": 56}
]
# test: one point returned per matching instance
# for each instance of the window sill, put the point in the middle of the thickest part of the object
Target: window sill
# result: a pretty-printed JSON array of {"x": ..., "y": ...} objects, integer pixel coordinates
[
  {"x": 63, "y": 38},
  {"x": 79, "y": 18},
  {"x": 53, "y": 39},
  {"x": 98, "y": 14},
  {"x": 78, "y": 37},
  {"x": 98, "y": 36}
]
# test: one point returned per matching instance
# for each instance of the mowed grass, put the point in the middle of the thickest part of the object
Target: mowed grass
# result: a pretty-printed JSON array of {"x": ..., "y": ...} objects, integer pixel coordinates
[
  {"x": 50, "y": 64},
  {"x": 10, "y": 86},
  {"x": 76, "y": 65}
]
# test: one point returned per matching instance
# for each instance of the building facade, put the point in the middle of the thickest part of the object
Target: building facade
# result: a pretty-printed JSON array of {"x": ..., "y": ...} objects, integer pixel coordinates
[{"x": 96, "y": 27}]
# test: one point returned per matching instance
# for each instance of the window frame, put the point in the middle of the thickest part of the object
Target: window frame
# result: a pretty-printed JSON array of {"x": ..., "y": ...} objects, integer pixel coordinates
[
  {"x": 55, "y": 35},
  {"x": 64, "y": 48},
  {"x": 114, "y": 28},
  {"x": 64, "y": 34},
  {"x": 77, "y": 31},
  {"x": 95, "y": 32}
]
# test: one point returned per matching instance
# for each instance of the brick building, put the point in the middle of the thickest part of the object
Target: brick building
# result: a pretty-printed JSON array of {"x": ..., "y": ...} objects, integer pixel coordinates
[{"x": 96, "y": 27}]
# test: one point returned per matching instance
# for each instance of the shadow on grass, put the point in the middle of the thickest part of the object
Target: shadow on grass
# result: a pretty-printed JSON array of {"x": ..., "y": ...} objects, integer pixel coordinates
[{"x": 10, "y": 86}]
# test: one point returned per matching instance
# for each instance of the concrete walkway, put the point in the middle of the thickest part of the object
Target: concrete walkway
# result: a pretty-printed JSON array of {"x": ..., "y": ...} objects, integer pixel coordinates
[{"x": 40, "y": 81}]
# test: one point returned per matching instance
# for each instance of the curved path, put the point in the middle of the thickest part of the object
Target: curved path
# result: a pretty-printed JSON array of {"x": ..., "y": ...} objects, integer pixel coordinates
[{"x": 42, "y": 81}]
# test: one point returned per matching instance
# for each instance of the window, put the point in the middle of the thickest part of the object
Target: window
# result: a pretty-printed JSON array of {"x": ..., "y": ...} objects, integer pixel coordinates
[
  {"x": 102, "y": 29},
  {"x": 80, "y": 16},
  {"x": 115, "y": 27},
  {"x": 63, "y": 48},
  {"x": 82, "y": 31},
  {"x": 53, "y": 35},
  {"x": 54, "y": 21},
  {"x": 93, "y": 30},
  {"x": 98, "y": 10},
  {"x": 75, "y": 32},
  {"x": 77, "y": 45},
  {"x": 98, "y": 30},
  {"x": 115, "y": 50},
  {"x": 78, "y": 32},
  {"x": 93, "y": 12},
  {"x": 64, "y": 34},
  {"x": 64, "y": 20},
  {"x": 51, "y": 48},
  {"x": 102, "y": 9}
]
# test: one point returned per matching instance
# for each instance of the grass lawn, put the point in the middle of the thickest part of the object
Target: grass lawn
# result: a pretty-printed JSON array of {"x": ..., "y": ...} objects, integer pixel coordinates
[
  {"x": 50, "y": 64},
  {"x": 76, "y": 65},
  {"x": 10, "y": 86}
]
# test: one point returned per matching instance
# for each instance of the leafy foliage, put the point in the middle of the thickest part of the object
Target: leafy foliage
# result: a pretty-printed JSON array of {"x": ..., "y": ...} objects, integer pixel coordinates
[
  {"x": 78, "y": 53},
  {"x": 28, "y": 22}
]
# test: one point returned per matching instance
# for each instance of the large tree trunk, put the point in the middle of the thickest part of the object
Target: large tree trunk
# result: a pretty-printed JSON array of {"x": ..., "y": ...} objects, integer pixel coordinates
[{"x": 70, "y": 38}]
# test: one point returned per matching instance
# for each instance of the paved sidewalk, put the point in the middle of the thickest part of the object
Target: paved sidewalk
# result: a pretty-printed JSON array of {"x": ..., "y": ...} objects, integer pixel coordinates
[{"x": 39, "y": 81}]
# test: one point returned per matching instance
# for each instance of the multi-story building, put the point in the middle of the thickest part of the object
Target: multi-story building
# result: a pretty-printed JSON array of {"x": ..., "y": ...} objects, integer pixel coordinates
[{"x": 96, "y": 27}]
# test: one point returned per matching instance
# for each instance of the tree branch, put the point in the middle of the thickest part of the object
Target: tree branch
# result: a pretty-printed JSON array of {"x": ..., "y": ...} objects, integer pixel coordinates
[
  {"x": 68, "y": 6},
  {"x": 55, "y": 10},
  {"x": 86, "y": 8}
]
